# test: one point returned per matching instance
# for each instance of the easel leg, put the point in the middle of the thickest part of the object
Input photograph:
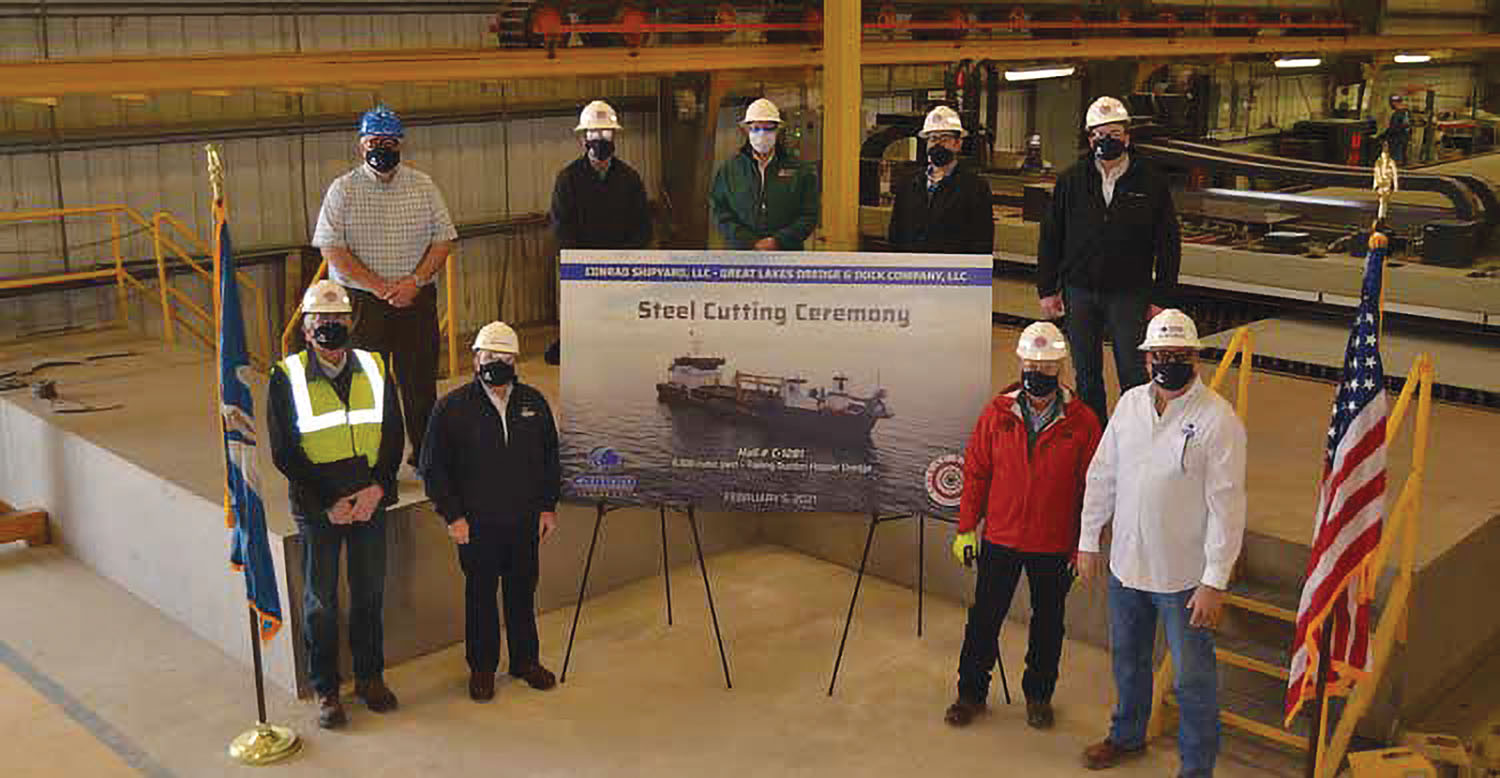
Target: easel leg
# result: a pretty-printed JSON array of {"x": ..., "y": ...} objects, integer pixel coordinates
[
  {"x": 713, "y": 614},
  {"x": 582, "y": 587},
  {"x": 859, "y": 579},
  {"x": 666, "y": 564},
  {"x": 921, "y": 566}
]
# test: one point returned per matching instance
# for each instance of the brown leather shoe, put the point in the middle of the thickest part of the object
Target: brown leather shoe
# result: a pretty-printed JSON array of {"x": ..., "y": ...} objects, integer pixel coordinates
[
  {"x": 962, "y": 713},
  {"x": 535, "y": 676},
  {"x": 1106, "y": 754},
  {"x": 376, "y": 695},
  {"x": 1039, "y": 715},
  {"x": 481, "y": 686},
  {"x": 331, "y": 712}
]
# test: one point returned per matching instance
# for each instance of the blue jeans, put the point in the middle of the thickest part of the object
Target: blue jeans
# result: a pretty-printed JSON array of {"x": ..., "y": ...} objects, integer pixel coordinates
[
  {"x": 1090, "y": 315},
  {"x": 322, "y": 542},
  {"x": 1195, "y": 675}
]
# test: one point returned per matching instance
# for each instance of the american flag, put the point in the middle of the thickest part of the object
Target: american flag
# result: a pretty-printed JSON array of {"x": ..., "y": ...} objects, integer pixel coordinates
[{"x": 1351, "y": 507}]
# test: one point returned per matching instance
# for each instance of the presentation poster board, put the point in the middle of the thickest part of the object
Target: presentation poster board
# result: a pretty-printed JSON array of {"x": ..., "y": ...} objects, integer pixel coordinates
[{"x": 739, "y": 380}]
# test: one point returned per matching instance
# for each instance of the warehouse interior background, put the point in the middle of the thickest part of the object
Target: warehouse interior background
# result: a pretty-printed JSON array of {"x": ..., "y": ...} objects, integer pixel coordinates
[{"x": 105, "y": 228}]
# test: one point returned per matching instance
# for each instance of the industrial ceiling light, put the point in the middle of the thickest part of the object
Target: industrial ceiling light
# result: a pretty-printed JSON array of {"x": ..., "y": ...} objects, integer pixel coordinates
[
  {"x": 1412, "y": 59},
  {"x": 1298, "y": 62},
  {"x": 1035, "y": 73}
]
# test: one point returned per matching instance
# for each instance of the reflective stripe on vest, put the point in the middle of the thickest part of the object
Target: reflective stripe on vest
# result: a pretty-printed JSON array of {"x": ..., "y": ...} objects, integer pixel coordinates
[
  {"x": 307, "y": 421},
  {"x": 330, "y": 429}
]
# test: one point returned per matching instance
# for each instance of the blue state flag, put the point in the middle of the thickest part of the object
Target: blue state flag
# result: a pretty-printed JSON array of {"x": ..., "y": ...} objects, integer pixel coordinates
[{"x": 250, "y": 551}]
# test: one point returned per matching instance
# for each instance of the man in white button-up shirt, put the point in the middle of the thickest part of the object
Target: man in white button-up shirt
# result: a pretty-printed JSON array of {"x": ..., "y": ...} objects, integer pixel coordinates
[{"x": 1169, "y": 475}]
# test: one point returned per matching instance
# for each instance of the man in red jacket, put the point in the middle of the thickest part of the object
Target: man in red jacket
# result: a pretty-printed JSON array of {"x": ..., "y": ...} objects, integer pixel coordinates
[{"x": 1024, "y": 474}]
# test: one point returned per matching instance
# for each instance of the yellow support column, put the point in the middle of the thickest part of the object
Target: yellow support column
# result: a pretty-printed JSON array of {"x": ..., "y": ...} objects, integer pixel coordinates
[{"x": 841, "y": 124}]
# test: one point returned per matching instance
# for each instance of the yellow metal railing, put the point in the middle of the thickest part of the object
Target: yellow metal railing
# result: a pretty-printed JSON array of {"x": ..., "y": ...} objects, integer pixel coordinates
[
  {"x": 446, "y": 322},
  {"x": 171, "y": 241}
]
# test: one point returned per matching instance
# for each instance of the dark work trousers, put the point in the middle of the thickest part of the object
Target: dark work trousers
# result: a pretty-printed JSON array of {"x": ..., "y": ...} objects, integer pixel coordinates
[
  {"x": 322, "y": 542},
  {"x": 1049, "y": 579},
  {"x": 503, "y": 557},
  {"x": 407, "y": 338},
  {"x": 1091, "y": 314}
]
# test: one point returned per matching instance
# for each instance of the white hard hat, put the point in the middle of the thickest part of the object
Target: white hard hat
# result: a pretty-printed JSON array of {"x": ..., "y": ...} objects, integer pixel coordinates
[
  {"x": 762, "y": 110},
  {"x": 598, "y": 115},
  {"x": 1042, "y": 341},
  {"x": 497, "y": 336},
  {"x": 1171, "y": 329},
  {"x": 1105, "y": 110},
  {"x": 326, "y": 297},
  {"x": 942, "y": 119}
]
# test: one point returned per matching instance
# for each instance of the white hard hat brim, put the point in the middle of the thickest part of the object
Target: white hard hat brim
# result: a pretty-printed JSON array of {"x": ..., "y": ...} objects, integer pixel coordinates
[
  {"x": 925, "y": 133},
  {"x": 1150, "y": 345}
]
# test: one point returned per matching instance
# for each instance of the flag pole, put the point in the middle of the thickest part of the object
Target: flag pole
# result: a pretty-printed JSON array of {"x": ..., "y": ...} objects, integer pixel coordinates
[{"x": 263, "y": 743}]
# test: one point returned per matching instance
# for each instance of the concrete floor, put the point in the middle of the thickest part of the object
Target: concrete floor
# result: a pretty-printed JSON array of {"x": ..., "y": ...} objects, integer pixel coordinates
[{"x": 641, "y": 698}]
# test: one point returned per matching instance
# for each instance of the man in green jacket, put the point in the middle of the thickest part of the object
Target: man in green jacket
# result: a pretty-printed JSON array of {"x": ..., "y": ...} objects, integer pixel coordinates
[{"x": 764, "y": 198}]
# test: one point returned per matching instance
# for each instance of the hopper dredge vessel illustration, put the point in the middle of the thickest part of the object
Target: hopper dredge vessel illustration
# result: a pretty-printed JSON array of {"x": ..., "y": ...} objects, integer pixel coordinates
[{"x": 779, "y": 403}]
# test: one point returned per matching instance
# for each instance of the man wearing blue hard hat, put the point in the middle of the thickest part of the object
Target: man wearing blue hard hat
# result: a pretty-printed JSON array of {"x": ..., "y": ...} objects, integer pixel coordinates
[{"x": 385, "y": 232}]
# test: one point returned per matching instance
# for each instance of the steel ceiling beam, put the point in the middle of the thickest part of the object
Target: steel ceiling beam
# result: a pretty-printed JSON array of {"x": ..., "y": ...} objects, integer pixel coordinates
[{"x": 55, "y": 78}]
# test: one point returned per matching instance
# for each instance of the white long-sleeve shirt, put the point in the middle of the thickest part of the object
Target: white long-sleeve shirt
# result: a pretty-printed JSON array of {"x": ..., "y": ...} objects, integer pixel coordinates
[{"x": 1174, "y": 486}]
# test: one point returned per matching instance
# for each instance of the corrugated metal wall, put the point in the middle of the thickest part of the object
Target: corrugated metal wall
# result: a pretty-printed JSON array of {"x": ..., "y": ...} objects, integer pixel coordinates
[{"x": 488, "y": 171}]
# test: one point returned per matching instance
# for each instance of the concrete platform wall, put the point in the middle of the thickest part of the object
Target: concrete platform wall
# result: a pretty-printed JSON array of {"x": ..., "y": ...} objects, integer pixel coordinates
[{"x": 162, "y": 543}]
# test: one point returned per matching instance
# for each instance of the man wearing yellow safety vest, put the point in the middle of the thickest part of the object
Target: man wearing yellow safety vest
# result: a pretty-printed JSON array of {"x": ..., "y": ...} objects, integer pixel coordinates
[{"x": 335, "y": 430}]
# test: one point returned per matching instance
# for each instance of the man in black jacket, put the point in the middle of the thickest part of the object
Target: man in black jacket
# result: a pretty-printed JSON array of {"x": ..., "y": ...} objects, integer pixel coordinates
[
  {"x": 598, "y": 201},
  {"x": 491, "y": 467},
  {"x": 335, "y": 428},
  {"x": 1108, "y": 253},
  {"x": 946, "y": 208}
]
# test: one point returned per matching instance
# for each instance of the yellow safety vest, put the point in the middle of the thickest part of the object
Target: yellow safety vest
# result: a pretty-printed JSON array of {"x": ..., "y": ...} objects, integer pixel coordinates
[{"x": 332, "y": 431}]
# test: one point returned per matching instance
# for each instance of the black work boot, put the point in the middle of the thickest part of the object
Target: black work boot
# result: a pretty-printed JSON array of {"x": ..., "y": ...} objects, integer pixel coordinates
[
  {"x": 376, "y": 695},
  {"x": 962, "y": 712}
]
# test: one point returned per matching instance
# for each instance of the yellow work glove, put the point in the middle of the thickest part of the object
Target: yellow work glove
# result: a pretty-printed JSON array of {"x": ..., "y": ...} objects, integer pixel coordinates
[{"x": 966, "y": 541}]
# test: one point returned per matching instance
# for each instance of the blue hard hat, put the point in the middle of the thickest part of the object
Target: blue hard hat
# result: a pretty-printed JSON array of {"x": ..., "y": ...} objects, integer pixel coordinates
[{"x": 381, "y": 120}]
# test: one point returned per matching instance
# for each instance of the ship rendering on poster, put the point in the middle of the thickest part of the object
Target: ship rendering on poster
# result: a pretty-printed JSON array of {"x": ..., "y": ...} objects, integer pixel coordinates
[
  {"x": 785, "y": 404},
  {"x": 754, "y": 381}
]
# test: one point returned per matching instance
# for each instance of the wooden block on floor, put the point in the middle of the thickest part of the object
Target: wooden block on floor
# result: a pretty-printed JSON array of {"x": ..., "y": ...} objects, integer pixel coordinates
[{"x": 29, "y": 525}]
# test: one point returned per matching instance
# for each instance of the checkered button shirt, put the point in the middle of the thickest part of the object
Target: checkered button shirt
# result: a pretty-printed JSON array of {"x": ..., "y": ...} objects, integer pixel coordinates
[{"x": 388, "y": 226}]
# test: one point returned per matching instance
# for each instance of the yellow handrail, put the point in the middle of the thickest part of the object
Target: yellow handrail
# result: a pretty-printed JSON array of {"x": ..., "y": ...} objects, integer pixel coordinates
[{"x": 157, "y": 226}]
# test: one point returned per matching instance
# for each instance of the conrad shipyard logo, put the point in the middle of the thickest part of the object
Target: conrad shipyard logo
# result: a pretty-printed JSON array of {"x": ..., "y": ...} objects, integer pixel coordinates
[{"x": 603, "y": 478}]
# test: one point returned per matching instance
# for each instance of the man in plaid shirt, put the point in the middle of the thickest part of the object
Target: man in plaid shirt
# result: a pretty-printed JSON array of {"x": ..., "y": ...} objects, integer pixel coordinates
[{"x": 385, "y": 232}]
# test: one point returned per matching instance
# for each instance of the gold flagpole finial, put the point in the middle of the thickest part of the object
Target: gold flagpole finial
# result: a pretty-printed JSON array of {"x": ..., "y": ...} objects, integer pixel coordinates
[
  {"x": 215, "y": 171},
  {"x": 1387, "y": 182}
]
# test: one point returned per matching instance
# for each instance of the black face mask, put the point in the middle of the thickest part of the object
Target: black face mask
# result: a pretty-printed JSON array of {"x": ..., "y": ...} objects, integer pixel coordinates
[
  {"x": 1172, "y": 376},
  {"x": 383, "y": 160},
  {"x": 1038, "y": 384},
  {"x": 600, "y": 148},
  {"x": 497, "y": 373},
  {"x": 1109, "y": 147},
  {"x": 331, "y": 335},
  {"x": 940, "y": 156}
]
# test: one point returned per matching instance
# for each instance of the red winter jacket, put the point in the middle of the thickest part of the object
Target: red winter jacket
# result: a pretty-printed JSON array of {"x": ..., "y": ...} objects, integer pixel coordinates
[{"x": 1030, "y": 501}]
